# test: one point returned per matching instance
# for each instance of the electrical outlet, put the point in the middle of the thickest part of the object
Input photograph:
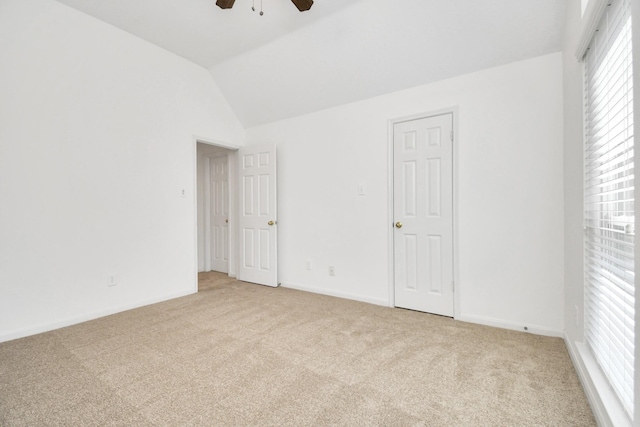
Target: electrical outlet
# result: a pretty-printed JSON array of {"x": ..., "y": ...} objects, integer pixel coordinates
[
  {"x": 183, "y": 192},
  {"x": 112, "y": 280},
  {"x": 308, "y": 264},
  {"x": 332, "y": 270}
]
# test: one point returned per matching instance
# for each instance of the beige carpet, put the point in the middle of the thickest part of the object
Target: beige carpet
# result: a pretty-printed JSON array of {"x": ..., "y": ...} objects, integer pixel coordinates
[{"x": 238, "y": 354}]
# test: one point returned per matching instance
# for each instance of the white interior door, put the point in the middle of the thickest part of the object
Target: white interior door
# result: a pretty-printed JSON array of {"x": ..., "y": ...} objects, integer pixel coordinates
[
  {"x": 219, "y": 214},
  {"x": 258, "y": 216},
  {"x": 423, "y": 214}
]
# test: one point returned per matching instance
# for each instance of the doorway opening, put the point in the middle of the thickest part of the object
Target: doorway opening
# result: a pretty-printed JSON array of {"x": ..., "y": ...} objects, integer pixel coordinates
[
  {"x": 216, "y": 207},
  {"x": 236, "y": 211}
]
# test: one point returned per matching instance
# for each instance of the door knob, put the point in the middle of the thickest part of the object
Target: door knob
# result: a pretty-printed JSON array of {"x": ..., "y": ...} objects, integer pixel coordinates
[
  {"x": 271, "y": 223},
  {"x": 226, "y": 220},
  {"x": 398, "y": 224}
]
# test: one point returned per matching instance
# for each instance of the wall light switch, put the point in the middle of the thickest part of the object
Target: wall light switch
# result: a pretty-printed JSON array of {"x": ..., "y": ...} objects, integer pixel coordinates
[{"x": 362, "y": 190}]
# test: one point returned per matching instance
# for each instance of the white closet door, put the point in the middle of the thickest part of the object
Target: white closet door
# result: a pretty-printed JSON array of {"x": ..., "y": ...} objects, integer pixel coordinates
[
  {"x": 219, "y": 214},
  {"x": 423, "y": 214}
]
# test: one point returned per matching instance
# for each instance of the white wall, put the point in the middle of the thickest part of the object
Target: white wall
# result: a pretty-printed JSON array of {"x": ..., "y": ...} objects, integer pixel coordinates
[
  {"x": 509, "y": 193},
  {"x": 96, "y": 142}
]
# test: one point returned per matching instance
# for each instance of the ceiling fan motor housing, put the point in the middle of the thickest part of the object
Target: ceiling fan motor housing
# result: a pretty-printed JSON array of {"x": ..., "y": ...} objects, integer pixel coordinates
[
  {"x": 225, "y": 4},
  {"x": 303, "y": 5}
]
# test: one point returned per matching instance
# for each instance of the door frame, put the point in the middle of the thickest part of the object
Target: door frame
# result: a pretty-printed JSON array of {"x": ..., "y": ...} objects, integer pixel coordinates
[
  {"x": 390, "y": 191},
  {"x": 233, "y": 202}
]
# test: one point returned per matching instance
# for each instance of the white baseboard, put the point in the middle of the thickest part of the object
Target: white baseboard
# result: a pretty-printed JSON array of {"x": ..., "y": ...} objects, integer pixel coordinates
[
  {"x": 50, "y": 326},
  {"x": 505, "y": 324},
  {"x": 605, "y": 405},
  {"x": 344, "y": 295},
  {"x": 498, "y": 323}
]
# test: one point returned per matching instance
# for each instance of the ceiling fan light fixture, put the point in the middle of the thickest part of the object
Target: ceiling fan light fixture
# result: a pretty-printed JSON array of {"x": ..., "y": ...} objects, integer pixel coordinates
[{"x": 225, "y": 4}]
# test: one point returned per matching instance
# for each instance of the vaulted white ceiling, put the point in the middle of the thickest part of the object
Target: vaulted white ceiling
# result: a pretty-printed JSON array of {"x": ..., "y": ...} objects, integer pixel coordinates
[{"x": 288, "y": 63}]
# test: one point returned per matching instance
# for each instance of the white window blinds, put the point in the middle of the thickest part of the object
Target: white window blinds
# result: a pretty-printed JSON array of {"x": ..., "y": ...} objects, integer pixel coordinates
[{"x": 609, "y": 200}]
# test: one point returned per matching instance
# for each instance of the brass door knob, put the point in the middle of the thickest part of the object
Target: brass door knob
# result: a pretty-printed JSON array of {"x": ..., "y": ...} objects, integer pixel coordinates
[
  {"x": 271, "y": 223},
  {"x": 226, "y": 220},
  {"x": 398, "y": 224}
]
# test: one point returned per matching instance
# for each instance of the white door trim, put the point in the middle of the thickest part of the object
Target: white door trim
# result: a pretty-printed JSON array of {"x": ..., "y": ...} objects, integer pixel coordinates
[
  {"x": 233, "y": 201},
  {"x": 390, "y": 216}
]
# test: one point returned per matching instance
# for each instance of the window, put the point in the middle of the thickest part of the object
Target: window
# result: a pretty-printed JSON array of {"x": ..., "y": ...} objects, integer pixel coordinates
[{"x": 609, "y": 200}]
